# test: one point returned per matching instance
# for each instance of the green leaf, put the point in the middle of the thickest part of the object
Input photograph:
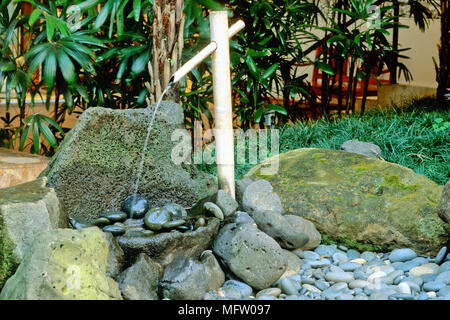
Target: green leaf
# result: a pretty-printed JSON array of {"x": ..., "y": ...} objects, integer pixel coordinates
[
  {"x": 47, "y": 134},
  {"x": 50, "y": 70},
  {"x": 9, "y": 66},
  {"x": 270, "y": 71},
  {"x": 137, "y": 9},
  {"x": 252, "y": 66},
  {"x": 277, "y": 108},
  {"x": 324, "y": 67},
  {"x": 101, "y": 18},
  {"x": 258, "y": 114},
  {"x": 36, "y": 140},
  {"x": 24, "y": 136},
  {"x": 140, "y": 63},
  {"x": 50, "y": 27},
  {"x": 34, "y": 16},
  {"x": 67, "y": 68}
]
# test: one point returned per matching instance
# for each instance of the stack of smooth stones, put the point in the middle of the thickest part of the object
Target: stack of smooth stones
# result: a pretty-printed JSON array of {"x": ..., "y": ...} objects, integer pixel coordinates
[{"x": 137, "y": 219}]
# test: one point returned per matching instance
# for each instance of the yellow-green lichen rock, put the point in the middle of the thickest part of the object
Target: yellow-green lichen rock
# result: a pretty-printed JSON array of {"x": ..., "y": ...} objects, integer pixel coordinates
[
  {"x": 64, "y": 264},
  {"x": 359, "y": 200}
]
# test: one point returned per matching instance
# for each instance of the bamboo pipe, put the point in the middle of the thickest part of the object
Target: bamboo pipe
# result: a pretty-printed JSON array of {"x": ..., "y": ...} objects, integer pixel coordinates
[
  {"x": 203, "y": 54},
  {"x": 222, "y": 101}
]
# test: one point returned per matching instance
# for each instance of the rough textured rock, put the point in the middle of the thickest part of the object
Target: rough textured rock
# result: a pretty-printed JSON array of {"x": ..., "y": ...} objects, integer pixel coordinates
[
  {"x": 215, "y": 276},
  {"x": 221, "y": 198},
  {"x": 25, "y": 211},
  {"x": 96, "y": 165},
  {"x": 364, "y": 148},
  {"x": 308, "y": 228},
  {"x": 293, "y": 264},
  {"x": 140, "y": 281},
  {"x": 64, "y": 264},
  {"x": 164, "y": 247},
  {"x": 116, "y": 257},
  {"x": 265, "y": 208},
  {"x": 360, "y": 199},
  {"x": 444, "y": 204},
  {"x": 250, "y": 254},
  {"x": 183, "y": 279},
  {"x": 240, "y": 187}
]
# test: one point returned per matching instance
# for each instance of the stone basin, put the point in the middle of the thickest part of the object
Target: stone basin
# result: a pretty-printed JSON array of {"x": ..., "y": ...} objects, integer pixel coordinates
[{"x": 164, "y": 247}]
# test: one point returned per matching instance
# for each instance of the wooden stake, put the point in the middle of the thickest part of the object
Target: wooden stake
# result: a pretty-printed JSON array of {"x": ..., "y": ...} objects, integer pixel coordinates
[{"x": 222, "y": 101}]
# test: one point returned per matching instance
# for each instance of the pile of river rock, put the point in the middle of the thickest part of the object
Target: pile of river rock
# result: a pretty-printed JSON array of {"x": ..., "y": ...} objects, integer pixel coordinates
[{"x": 259, "y": 253}]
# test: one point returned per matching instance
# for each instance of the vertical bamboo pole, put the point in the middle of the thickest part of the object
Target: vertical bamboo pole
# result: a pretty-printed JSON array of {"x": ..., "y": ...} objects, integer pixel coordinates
[{"x": 222, "y": 101}]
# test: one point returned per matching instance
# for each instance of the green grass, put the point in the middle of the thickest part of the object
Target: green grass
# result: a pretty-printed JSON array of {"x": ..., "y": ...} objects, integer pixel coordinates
[{"x": 405, "y": 135}]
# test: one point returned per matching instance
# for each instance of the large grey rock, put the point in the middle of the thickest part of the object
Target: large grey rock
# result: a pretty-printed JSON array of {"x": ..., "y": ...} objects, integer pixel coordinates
[
  {"x": 64, "y": 264},
  {"x": 183, "y": 279},
  {"x": 364, "y": 148},
  {"x": 222, "y": 199},
  {"x": 444, "y": 204},
  {"x": 95, "y": 167},
  {"x": 240, "y": 187},
  {"x": 164, "y": 247},
  {"x": 250, "y": 254},
  {"x": 116, "y": 257},
  {"x": 25, "y": 211},
  {"x": 375, "y": 204},
  {"x": 265, "y": 208},
  {"x": 306, "y": 227},
  {"x": 215, "y": 276},
  {"x": 140, "y": 281}
]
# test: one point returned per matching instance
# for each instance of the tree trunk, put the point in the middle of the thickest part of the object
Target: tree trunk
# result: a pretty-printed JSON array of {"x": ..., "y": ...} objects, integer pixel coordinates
[
  {"x": 442, "y": 72},
  {"x": 168, "y": 25}
]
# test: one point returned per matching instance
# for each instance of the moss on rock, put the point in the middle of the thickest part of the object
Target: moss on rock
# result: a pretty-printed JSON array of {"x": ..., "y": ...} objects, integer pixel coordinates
[{"x": 358, "y": 199}]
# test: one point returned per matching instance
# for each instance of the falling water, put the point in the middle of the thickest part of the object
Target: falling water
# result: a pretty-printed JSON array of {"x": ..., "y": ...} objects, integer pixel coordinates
[{"x": 141, "y": 164}]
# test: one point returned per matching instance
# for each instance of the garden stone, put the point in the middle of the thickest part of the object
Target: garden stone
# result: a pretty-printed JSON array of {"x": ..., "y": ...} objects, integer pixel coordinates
[
  {"x": 320, "y": 263},
  {"x": 64, "y": 264},
  {"x": 360, "y": 275},
  {"x": 240, "y": 187},
  {"x": 25, "y": 210},
  {"x": 364, "y": 148},
  {"x": 445, "y": 291},
  {"x": 183, "y": 279},
  {"x": 241, "y": 217},
  {"x": 308, "y": 280},
  {"x": 140, "y": 281},
  {"x": 250, "y": 254},
  {"x": 349, "y": 266},
  {"x": 402, "y": 296},
  {"x": 278, "y": 227},
  {"x": 353, "y": 254},
  {"x": 339, "y": 276},
  {"x": 94, "y": 168},
  {"x": 244, "y": 289},
  {"x": 311, "y": 288},
  {"x": 443, "y": 208},
  {"x": 340, "y": 257},
  {"x": 116, "y": 257},
  {"x": 310, "y": 255},
  {"x": 215, "y": 276},
  {"x": 213, "y": 210},
  {"x": 351, "y": 196},
  {"x": 272, "y": 292},
  {"x": 414, "y": 286},
  {"x": 288, "y": 286},
  {"x": 422, "y": 296},
  {"x": 441, "y": 255},
  {"x": 417, "y": 280},
  {"x": 323, "y": 250},
  {"x": 443, "y": 277},
  {"x": 360, "y": 297},
  {"x": 406, "y": 266},
  {"x": 433, "y": 286},
  {"x": 358, "y": 284},
  {"x": 230, "y": 293},
  {"x": 345, "y": 296},
  {"x": 164, "y": 247},
  {"x": 135, "y": 206},
  {"x": 221, "y": 199},
  {"x": 428, "y": 277},
  {"x": 402, "y": 255},
  {"x": 265, "y": 208},
  {"x": 321, "y": 285},
  {"x": 368, "y": 256},
  {"x": 335, "y": 269},
  {"x": 403, "y": 287},
  {"x": 343, "y": 248},
  {"x": 427, "y": 268},
  {"x": 444, "y": 267},
  {"x": 211, "y": 295},
  {"x": 293, "y": 264},
  {"x": 306, "y": 227}
]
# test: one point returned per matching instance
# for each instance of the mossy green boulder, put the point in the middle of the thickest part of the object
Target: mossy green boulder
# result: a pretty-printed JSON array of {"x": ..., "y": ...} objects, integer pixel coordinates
[
  {"x": 359, "y": 200},
  {"x": 95, "y": 167},
  {"x": 25, "y": 211},
  {"x": 64, "y": 264}
]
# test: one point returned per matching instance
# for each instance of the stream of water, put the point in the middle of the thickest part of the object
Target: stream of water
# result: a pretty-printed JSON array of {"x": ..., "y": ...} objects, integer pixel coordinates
[{"x": 147, "y": 138}]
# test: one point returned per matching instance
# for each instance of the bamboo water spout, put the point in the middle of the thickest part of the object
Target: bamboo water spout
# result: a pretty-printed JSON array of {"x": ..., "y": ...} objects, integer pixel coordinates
[{"x": 220, "y": 50}]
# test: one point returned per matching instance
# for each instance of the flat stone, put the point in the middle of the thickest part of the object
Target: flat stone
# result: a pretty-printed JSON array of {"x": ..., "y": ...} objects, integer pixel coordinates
[
  {"x": 444, "y": 267},
  {"x": 445, "y": 291},
  {"x": 433, "y": 286},
  {"x": 273, "y": 292},
  {"x": 339, "y": 276},
  {"x": 365, "y": 148},
  {"x": 402, "y": 255},
  {"x": 244, "y": 289},
  {"x": 402, "y": 296},
  {"x": 358, "y": 284},
  {"x": 340, "y": 257},
  {"x": 310, "y": 255},
  {"x": 321, "y": 285},
  {"x": 288, "y": 286},
  {"x": 306, "y": 227},
  {"x": 311, "y": 288},
  {"x": 441, "y": 255},
  {"x": 320, "y": 263},
  {"x": 403, "y": 287},
  {"x": 368, "y": 256},
  {"x": 428, "y": 268},
  {"x": 325, "y": 250},
  {"x": 443, "y": 277},
  {"x": 353, "y": 254},
  {"x": 349, "y": 266}
]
